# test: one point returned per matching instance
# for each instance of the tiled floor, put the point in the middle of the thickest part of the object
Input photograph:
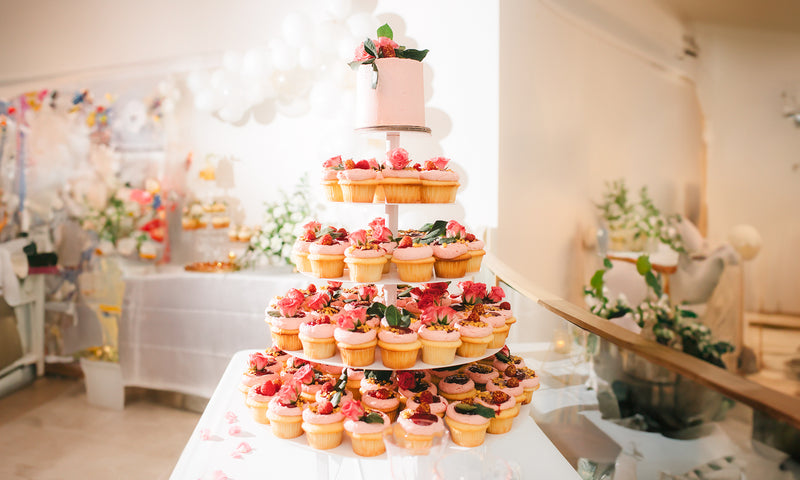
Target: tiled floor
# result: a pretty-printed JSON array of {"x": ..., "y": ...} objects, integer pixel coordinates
[{"x": 48, "y": 431}]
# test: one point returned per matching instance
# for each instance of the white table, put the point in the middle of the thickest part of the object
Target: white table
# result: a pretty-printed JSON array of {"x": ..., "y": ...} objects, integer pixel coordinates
[
  {"x": 271, "y": 457},
  {"x": 179, "y": 329}
]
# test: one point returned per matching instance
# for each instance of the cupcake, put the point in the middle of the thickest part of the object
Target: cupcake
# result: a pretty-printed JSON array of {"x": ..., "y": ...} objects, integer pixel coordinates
[
  {"x": 355, "y": 339},
  {"x": 503, "y": 359},
  {"x": 279, "y": 355},
  {"x": 439, "y": 338},
  {"x": 510, "y": 386},
  {"x": 354, "y": 377},
  {"x": 468, "y": 422},
  {"x": 336, "y": 393},
  {"x": 401, "y": 183},
  {"x": 330, "y": 182},
  {"x": 310, "y": 381},
  {"x": 436, "y": 403},
  {"x": 358, "y": 181},
  {"x": 375, "y": 379},
  {"x": 383, "y": 400},
  {"x": 244, "y": 235},
  {"x": 415, "y": 429},
  {"x": 499, "y": 327},
  {"x": 326, "y": 256},
  {"x": 481, "y": 374},
  {"x": 260, "y": 368},
  {"x": 383, "y": 236},
  {"x": 451, "y": 252},
  {"x": 475, "y": 336},
  {"x": 258, "y": 399},
  {"x": 366, "y": 429},
  {"x": 413, "y": 383},
  {"x": 300, "y": 248},
  {"x": 316, "y": 336},
  {"x": 364, "y": 258},
  {"x": 293, "y": 365},
  {"x": 220, "y": 221},
  {"x": 285, "y": 322},
  {"x": 457, "y": 387},
  {"x": 476, "y": 252},
  {"x": 439, "y": 183},
  {"x": 285, "y": 412},
  {"x": 324, "y": 425},
  {"x": 399, "y": 344},
  {"x": 527, "y": 379},
  {"x": 505, "y": 409},
  {"x": 413, "y": 261}
]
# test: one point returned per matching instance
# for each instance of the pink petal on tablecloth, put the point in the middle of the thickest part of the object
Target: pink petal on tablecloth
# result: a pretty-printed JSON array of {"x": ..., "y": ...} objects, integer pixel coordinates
[
  {"x": 234, "y": 430},
  {"x": 220, "y": 475},
  {"x": 244, "y": 447},
  {"x": 236, "y": 454},
  {"x": 205, "y": 434},
  {"x": 231, "y": 417}
]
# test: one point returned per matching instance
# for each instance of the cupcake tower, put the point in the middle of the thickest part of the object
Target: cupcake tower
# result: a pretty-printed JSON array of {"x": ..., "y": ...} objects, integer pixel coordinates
[{"x": 409, "y": 358}]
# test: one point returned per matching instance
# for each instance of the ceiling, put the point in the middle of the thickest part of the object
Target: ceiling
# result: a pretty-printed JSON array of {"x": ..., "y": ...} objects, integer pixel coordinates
[{"x": 781, "y": 15}]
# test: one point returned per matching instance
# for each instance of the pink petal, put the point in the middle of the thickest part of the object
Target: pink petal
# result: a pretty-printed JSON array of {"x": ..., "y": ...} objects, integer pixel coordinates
[
  {"x": 234, "y": 430},
  {"x": 244, "y": 447},
  {"x": 231, "y": 417},
  {"x": 236, "y": 454},
  {"x": 205, "y": 434},
  {"x": 220, "y": 475}
]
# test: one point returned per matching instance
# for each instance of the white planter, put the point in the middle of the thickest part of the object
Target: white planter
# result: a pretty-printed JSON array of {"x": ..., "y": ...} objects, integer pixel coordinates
[{"x": 104, "y": 387}]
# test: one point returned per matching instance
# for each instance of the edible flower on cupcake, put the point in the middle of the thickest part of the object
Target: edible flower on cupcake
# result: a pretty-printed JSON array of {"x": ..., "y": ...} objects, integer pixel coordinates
[
  {"x": 439, "y": 183},
  {"x": 358, "y": 181},
  {"x": 439, "y": 337},
  {"x": 330, "y": 181},
  {"x": 310, "y": 381},
  {"x": 468, "y": 421},
  {"x": 260, "y": 368},
  {"x": 436, "y": 404},
  {"x": 364, "y": 257},
  {"x": 285, "y": 411},
  {"x": 285, "y": 322},
  {"x": 278, "y": 355},
  {"x": 300, "y": 248},
  {"x": 412, "y": 383},
  {"x": 451, "y": 252},
  {"x": 365, "y": 429},
  {"x": 356, "y": 340},
  {"x": 401, "y": 182},
  {"x": 378, "y": 232}
]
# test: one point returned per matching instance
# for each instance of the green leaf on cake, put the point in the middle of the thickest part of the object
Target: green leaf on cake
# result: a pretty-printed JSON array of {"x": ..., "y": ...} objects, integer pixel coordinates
[
  {"x": 474, "y": 409},
  {"x": 337, "y": 397},
  {"x": 386, "y": 31},
  {"x": 373, "y": 417},
  {"x": 274, "y": 313},
  {"x": 502, "y": 357},
  {"x": 377, "y": 309},
  {"x": 379, "y": 375},
  {"x": 396, "y": 318},
  {"x": 374, "y": 76},
  {"x": 369, "y": 47},
  {"x": 412, "y": 54}
]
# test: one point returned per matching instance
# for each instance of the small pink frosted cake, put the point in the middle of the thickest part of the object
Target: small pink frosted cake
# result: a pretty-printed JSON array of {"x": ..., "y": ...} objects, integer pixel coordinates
[{"x": 399, "y": 96}]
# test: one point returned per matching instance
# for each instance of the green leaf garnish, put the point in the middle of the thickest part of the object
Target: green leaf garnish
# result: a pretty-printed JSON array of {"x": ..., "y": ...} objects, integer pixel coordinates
[
  {"x": 396, "y": 318},
  {"x": 379, "y": 375},
  {"x": 274, "y": 313},
  {"x": 502, "y": 357},
  {"x": 412, "y": 54},
  {"x": 386, "y": 31},
  {"x": 336, "y": 398},
  {"x": 377, "y": 309},
  {"x": 369, "y": 47},
  {"x": 374, "y": 76},
  {"x": 372, "y": 417},
  {"x": 474, "y": 409}
]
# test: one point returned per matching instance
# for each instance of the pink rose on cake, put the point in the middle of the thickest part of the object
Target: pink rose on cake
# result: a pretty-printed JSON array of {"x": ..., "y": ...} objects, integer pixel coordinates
[
  {"x": 472, "y": 293},
  {"x": 290, "y": 304},
  {"x": 366, "y": 293},
  {"x": 398, "y": 158},
  {"x": 495, "y": 295},
  {"x": 455, "y": 230}
]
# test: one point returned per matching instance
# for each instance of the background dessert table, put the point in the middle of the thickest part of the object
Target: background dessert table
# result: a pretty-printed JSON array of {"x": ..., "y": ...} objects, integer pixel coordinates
[
  {"x": 526, "y": 445},
  {"x": 179, "y": 329}
]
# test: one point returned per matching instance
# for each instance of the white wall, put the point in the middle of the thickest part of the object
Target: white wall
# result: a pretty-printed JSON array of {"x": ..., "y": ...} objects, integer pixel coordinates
[
  {"x": 751, "y": 150},
  {"x": 579, "y": 106}
]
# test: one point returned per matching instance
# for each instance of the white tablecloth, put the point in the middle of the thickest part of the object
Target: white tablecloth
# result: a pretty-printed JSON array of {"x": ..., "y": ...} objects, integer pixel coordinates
[
  {"x": 179, "y": 329},
  {"x": 526, "y": 445}
]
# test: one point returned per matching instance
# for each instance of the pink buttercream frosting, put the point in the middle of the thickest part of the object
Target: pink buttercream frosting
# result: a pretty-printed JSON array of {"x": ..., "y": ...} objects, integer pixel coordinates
[
  {"x": 371, "y": 384},
  {"x": 407, "y": 173},
  {"x": 301, "y": 246},
  {"x": 320, "y": 330},
  {"x": 357, "y": 426},
  {"x": 428, "y": 333},
  {"x": 408, "y": 393},
  {"x": 380, "y": 403},
  {"x": 347, "y": 395},
  {"x": 412, "y": 428},
  {"x": 390, "y": 336},
  {"x": 416, "y": 252},
  {"x": 510, "y": 403},
  {"x": 438, "y": 406},
  {"x": 474, "y": 329},
  {"x": 463, "y": 418},
  {"x": 355, "y": 252},
  {"x": 501, "y": 366},
  {"x": 449, "y": 250},
  {"x": 446, "y": 386},
  {"x": 287, "y": 323},
  {"x": 483, "y": 378},
  {"x": 318, "y": 419},
  {"x": 278, "y": 409},
  {"x": 354, "y": 374},
  {"x": 357, "y": 174},
  {"x": 320, "y": 249},
  {"x": 475, "y": 245},
  {"x": 439, "y": 175},
  {"x": 252, "y": 379},
  {"x": 257, "y": 397},
  {"x": 441, "y": 373},
  {"x": 329, "y": 174},
  {"x": 389, "y": 247},
  {"x": 495, "y": 319},
  {"x": 500, "y": 384},
  {"x": 354, "y": 338}
]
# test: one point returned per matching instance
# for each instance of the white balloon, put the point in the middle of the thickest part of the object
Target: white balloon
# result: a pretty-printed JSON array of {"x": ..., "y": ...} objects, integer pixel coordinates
[
  {"x": 295, "y": 29},
  {"x": 231, "y": 114},
  {"x": 308, "y": 58},
  {"x": 284, "y": 57},
  {"x": 232, "y": 61},
  {"x": 324, "y": 99},
  {"x": 198, "y": 80},
  {"x": 292, "y": 83},
  {"x": 293, "y": 108},
  {"x": 362, "y": 25},
  {"x": 339, "y": 8},
  {"x": 255, "y": 65},
  {"x": 253, "y": 93},
  {"x": 218, "y": 77},
  {"x": 326, "y": 35},
  {"x": 346, "y": 47}
]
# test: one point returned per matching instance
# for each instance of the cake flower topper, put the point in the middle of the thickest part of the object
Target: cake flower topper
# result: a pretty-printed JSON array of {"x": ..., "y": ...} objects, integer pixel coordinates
[{"x": 383, "y": 47}]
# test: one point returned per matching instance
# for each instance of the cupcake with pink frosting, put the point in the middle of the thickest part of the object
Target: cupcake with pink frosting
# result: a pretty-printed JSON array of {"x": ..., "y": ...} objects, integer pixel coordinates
[
  {"x": 439, "y": 183},
  {"x": 356, "y": 340},
  {"x": 300, "y": 249},
  {"x": 415, "y": 429},
  {"x": 451, "y": 252},
  {"x": 508, "y": 385},
  {"x": 476, "y": 252},
  {"x": 401, "y": 182},
  {"x": 399, "y": 344},
  {"x": 439, "y": 338},
  {"x": 285, "y": 321},
  {"x": 436, "y": 403},
  {"x": 413, "y": 260},
  {"x": 378, "y": 232},
  {"x": 468, "y": 422},
  {"x": 358, "y": 180},
  {"x": 310, "y": 381},
  {"x": 457, "y": 387},
  {"x": 375, "y": 379},
  {"x": 330, "y": 180},
  {"x": 279, "y": 355},
  {"x": 365, "y": 428},
  {"x": 412, "y": 383},
  {"x": 383, "y": 400},
  {"x": 326, "y": 255},
  {"x": 331, "y": 392},
  {"x": 260, "y": 368},
  {"x": 285, "y": 412},
  {"x": 258, "y": 399},
  {"x": 323, "y": 423},
  {"x": 316, "y": 337},
  {"x": 481, "y": 374},
  {"x": 527, "y": 379},
  {"x": 365, "y": 258},
  {"x": 503, "y": 359},
  {"x": 475, "y": 335},
  {"x": 505, "y": 409}
]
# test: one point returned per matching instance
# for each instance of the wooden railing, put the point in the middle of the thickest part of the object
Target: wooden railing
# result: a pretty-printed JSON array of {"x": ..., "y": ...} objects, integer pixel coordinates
[{"x": 776, "y": 404}]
